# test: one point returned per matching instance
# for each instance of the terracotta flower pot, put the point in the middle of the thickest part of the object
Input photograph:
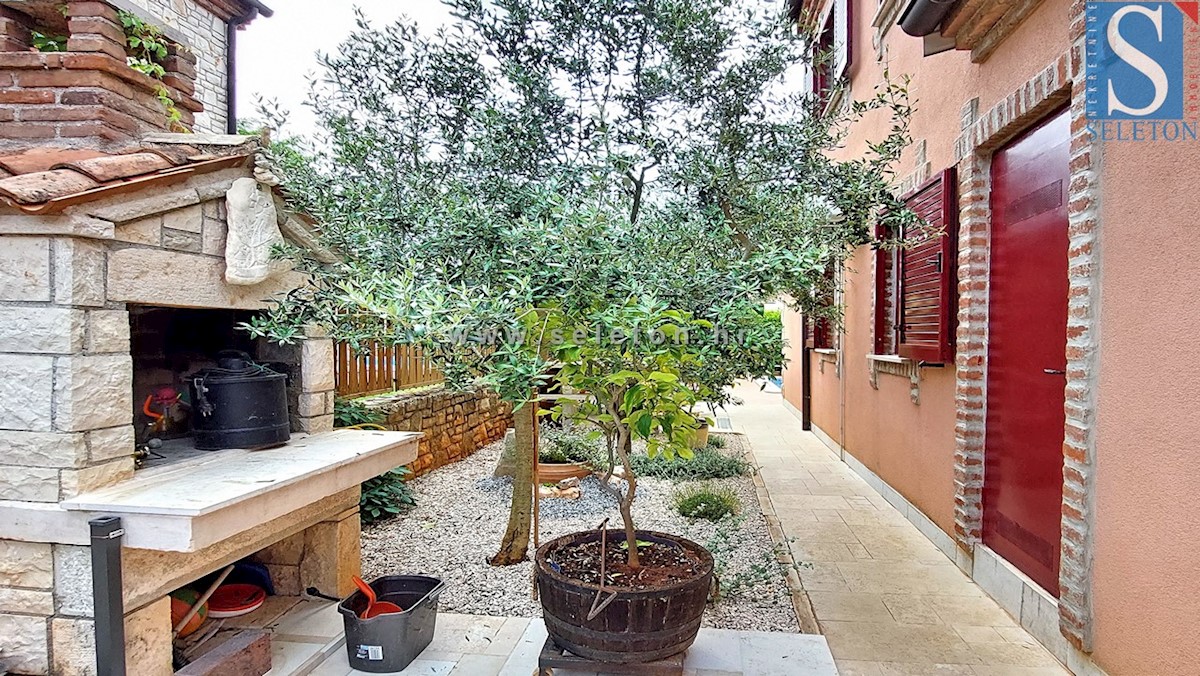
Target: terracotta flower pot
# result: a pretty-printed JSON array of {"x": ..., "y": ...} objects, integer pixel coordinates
[
  {"x": 700, "y": 436},
  {"x": 557, "y": 471}
]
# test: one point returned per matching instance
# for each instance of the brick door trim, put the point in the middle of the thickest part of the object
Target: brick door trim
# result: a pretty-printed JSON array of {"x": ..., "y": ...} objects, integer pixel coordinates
[{"x": 1060, "y": 83}]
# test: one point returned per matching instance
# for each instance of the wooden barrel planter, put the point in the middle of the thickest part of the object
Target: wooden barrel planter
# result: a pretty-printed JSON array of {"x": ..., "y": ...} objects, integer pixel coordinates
[
  {"x": 643, "y": 625},
  {"x": 554, "y": 472}
]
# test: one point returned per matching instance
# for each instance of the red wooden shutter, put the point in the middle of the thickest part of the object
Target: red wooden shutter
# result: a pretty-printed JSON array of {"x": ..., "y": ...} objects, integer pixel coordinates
[
  {"x": 928, "y": 293},
  {"x": 885, "y": 295},
  {"x": 822, "y": 334}
]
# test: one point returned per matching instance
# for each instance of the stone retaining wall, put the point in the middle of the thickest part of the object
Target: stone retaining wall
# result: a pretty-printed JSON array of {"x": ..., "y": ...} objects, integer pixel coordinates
[{"x": 456, "y": 424}]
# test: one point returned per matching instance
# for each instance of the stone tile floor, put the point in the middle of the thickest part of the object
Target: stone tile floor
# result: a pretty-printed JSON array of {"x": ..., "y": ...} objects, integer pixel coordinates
[
  {"x": 308, "y": 640},
  {"x": 887, "y": 600}
]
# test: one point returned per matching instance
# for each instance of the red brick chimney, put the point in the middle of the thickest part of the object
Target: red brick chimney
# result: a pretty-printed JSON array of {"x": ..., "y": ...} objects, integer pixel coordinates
[{"x": 87, "y": 95}]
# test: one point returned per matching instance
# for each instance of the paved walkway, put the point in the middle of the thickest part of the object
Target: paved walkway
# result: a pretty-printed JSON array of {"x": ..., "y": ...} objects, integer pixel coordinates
[
  {"x": 887, "y": 600},
  {"x": 308, "y": 640}
]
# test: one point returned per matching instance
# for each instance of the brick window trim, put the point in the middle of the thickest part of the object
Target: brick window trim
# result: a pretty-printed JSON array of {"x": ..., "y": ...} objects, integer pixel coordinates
[{"x": 1060, "y": 83}]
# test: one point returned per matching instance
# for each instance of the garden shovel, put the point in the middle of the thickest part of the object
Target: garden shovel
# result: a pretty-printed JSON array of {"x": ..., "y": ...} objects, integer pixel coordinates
[{"x": 374, "y": 606}]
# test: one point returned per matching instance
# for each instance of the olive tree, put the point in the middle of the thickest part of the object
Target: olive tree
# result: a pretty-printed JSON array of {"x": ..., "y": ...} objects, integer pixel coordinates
[{"x": 537, "y": 163}]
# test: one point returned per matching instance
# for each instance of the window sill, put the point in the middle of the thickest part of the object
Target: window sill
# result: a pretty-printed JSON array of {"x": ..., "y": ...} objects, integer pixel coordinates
[
  {"x": 836, "y": 97},
  {"x": 826, "y": 351},
  {"x": 896, "y": 366}
]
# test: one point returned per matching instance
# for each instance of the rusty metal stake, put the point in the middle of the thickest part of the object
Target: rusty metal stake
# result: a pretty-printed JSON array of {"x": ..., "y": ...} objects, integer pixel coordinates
[{"x": 603, "y": 558}]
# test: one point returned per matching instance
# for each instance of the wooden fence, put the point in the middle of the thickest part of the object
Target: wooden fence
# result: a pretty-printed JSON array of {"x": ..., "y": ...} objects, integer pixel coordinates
[{"x": 382, "y": 368}]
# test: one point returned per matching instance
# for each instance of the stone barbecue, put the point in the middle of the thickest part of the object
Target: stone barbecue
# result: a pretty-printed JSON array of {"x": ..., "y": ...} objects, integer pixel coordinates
[{"x": 116, "y": 235}]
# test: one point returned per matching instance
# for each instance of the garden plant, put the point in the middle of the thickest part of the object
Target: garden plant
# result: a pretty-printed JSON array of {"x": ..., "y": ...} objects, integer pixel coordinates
[{"x": 615, "y": 186}]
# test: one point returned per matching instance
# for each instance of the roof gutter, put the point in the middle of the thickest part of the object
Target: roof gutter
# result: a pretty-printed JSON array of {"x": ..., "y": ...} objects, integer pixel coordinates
[
  {"x": 923, "y": 17},
  {"x": 262, "y": 9}
]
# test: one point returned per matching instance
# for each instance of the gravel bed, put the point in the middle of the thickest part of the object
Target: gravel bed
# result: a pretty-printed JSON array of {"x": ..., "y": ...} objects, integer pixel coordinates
[{"x": 462, "y": 511}]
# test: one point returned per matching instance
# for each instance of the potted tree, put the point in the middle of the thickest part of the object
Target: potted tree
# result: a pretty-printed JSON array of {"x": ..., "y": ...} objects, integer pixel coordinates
[
  {"x": 586, "y": 184},
  {"x": 564, "y": 454},
  {"x": 627, "y": 356}
]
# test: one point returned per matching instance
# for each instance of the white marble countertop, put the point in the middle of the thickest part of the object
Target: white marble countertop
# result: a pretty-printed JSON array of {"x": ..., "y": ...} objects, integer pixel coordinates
[{"x": 234, "y": 489}]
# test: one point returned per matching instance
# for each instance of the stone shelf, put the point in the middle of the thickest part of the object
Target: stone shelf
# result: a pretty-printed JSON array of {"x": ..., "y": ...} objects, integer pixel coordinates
[{"x": 188, "y": 505}]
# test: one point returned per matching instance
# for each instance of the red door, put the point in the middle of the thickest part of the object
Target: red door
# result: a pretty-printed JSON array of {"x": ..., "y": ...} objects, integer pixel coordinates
[{"x": 1027, "y": 337}]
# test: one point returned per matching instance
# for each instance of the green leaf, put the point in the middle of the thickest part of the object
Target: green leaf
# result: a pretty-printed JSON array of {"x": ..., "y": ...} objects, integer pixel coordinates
[
  {"x": 644, "y": 425},
  {"x": 634, "y": 396}
]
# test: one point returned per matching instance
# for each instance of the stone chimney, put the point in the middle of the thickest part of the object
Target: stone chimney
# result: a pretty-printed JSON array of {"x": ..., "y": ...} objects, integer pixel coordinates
[{"x": 86, "y": 96}]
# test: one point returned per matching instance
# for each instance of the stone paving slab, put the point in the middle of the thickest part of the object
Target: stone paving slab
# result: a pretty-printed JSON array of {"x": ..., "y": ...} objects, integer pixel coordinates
[
  {"x": 887, "y": 600},
  {"x": 476, "y": 645}
]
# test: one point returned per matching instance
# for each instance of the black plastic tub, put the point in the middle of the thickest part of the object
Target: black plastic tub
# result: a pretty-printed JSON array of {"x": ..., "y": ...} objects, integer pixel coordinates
[{"x": 387, "y": 643}]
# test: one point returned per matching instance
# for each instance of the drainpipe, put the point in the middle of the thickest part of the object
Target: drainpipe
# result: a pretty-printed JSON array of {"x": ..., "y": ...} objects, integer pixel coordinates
[
  {"x": 805, "y": 377},
  {"x": 841, "y": 370},
  {"x": 107, "y": 593},
  {"x": 231, "y": 28},
  {"x": 231, "y": 122}
]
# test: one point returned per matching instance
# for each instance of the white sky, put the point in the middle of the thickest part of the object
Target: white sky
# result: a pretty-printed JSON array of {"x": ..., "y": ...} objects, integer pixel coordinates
[{"x": 276, "y": 55}]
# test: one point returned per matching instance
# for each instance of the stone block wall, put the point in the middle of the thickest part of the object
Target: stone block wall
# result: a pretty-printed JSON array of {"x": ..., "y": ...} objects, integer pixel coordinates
[
  {"x": 66, "y": 412},
  {"x": 311, "y": 387},
  {"x": 205, "y": 33},
  {"x": 456, "y": 424}
]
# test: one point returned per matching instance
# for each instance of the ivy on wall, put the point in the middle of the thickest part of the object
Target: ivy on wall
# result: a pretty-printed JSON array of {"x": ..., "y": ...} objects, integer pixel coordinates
[{"x": 147, "y": 51}]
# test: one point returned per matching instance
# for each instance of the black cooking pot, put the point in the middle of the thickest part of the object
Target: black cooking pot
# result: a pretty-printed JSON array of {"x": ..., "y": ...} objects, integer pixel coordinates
[{"x": 239, "y": 404}]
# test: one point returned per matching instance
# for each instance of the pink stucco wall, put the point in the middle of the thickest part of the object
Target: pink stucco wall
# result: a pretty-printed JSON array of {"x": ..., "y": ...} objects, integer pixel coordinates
[
  {"x": 911, "y": 446},
  {"x": 1146, "y": 580},
  {"x": 793, "y": 341},
  {"x": 1146, "y": 557}
]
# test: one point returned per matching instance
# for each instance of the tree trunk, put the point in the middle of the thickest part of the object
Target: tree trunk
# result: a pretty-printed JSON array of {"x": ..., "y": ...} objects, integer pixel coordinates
[
  {"x": 515, "y": 546},
  {"x": 624, "y": 448}
]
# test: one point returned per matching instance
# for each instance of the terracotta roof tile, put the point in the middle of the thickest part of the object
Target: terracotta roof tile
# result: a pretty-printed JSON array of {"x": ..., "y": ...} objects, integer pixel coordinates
[
  {"x": 115, "y": 167},
  {"x": 43, "y": 159},
  {"x": 43, "y": 186},
  {"x": 176, "y": 154},
  {"x": 43, "y": 180}
]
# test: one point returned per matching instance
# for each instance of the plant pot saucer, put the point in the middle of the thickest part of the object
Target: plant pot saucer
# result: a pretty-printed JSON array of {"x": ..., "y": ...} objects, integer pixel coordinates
[{"x": 556, "y": 472}]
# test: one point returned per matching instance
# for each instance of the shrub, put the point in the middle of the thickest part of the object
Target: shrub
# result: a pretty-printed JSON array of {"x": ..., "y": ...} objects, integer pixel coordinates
[
  {"x": 716, "y": 441},
  {"x": 386, "y": 495},
  {"x": 559, "y": 445},
  {"x": 706, "y": 502},
  {"x": 706, "y": 463},
  {"x": 351, "y": 412}
]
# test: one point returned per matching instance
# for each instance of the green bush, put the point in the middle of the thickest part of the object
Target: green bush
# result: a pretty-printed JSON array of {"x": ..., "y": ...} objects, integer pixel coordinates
[
  {"x": 557, "y": 445},
  {"x": 705, "y": 502},
  {"x": 386, "y": 495},
  {"x": 716, "y": 441},
  {"x": 351, "y": 412},
  {"x": 706, "y": 463}
]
